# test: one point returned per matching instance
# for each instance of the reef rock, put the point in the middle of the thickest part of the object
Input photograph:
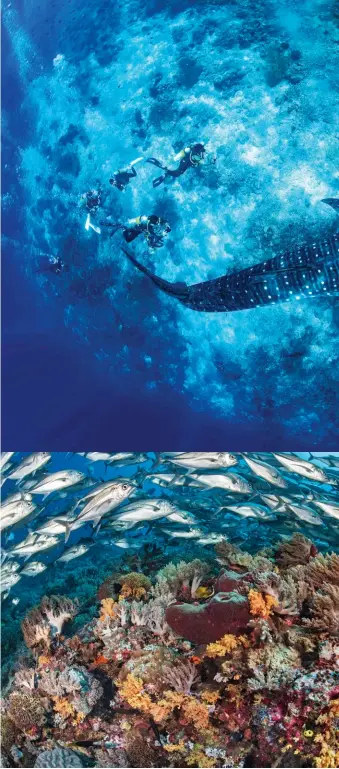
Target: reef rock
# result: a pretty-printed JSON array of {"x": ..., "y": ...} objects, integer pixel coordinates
[{"x": 205, "y": 623}]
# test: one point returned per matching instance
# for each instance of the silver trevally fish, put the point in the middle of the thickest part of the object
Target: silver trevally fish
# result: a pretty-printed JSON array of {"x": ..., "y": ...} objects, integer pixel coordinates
[
  {"x": 330, "y": 508},
  {"x": 266, "y": 471},
  {"x": 252, "y": 511},
  {"x": 211, "y": 539},
  {"x": 167, "y": 479},
  {"x": 127, "y": 458},
  {"x": 62, "y": 479},
  {"x": 205, "y": 460},
  {"x": 33, "y": 569},
  {"x": 305, "y": 514},
  {"x": 75, "y": 551},
  {"x": 189, "y": 534},
  {"x": 145, "y": 510},
  {"x": 9, "y": 581},
  {"x": 229, "y": 481},
  {"x": 105, "y": 501},
  {"x": 302, "y": 467},
  {"x": 34, "y": 543},
  {"x": 16, "y": 512},
  {"x": 30, "y": 465},
  {"x": 9, "y": 567},
  {"x": 5, "y": 457},
  {"x": 53, "y": 526}
]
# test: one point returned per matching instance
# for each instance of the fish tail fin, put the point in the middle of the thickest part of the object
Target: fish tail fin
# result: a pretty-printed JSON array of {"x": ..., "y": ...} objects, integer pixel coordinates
[
  {"x": 333, "y": 202},
  {"x": 180, "y": 290},
  {"x": 68, "y": 529}
]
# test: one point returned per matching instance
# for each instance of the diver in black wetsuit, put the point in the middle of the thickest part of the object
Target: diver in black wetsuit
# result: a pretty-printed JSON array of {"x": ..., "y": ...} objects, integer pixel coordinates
[
  {"x": 153, "y": 227},
  {"x": 52, "y": 264},
  {"x": 189, "y": 158},
  {"x": 91, "y": 200},
  {"x": 121, "y": 179}
]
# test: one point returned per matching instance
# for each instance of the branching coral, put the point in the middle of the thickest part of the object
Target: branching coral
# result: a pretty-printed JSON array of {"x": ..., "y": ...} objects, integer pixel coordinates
[
  {"x": 181, "y": 578},
  {"x": 273, "y": 667},
  {"x": 27, "y": 710},
  {"x": 324, "y": 609},
  {"x": 297, "y": 550},
  {"x": 182, "y": 676},
  {"x": 47, "y": 620},
  {"x": 323, "y": 568},
  {"x": 135, "y": 585},
  {"x": 57, "y": 610}
]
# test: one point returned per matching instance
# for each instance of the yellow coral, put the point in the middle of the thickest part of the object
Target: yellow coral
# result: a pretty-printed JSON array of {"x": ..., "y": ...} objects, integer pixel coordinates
[
  {"x": 171, "y": 748},
  {"x": 162, "y": 709},
  {"x": 226, "y": 644},
  {"x": 132, "y": 592},
  {"x": 203, "y": 592},
  {"x": 261, "y": 605},
  {"x": 210, "y": 696},
  {"x": 198, "y": 758},
  {"x": 67, "y": 710},
  {"x": 131, "y": 690},
  {"x": 108, "y": 609},
  {"x": 196, "y": 712}
]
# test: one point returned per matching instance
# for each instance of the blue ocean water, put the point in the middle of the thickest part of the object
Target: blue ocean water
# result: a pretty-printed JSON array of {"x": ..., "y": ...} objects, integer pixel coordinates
[{"x": 97, "y": 353}]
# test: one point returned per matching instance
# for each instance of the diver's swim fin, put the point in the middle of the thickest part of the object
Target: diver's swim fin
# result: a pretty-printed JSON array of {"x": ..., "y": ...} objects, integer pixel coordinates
[
  {"x": 159, "y": 180},
  {"x": 179, "y": 290},
  {"x": 137, "y": 160},
  {"x": 155, "y": 162},
  {"x": 89, "y": 224},
  {"x": 333, "y": 202}
]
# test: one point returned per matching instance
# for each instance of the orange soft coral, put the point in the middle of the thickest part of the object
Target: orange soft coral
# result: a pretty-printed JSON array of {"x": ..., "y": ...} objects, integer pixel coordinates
[
  {"x": 131, "y": 690},
  {"x": 226, "y": 644},
  {"x": 261, "y": 605},
  {"x": 67, "y": 710},
  {"x": 196, "y": 712},
  {"x": 108, "y": 609}
]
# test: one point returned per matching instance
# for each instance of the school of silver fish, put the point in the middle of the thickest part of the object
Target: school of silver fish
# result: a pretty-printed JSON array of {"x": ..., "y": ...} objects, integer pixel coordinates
[{"x": 198, "y": 496}]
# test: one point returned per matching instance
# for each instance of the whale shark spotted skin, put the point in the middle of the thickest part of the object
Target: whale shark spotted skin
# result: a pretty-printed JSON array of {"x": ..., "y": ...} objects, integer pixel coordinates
[{"x": 302, "y": 273}]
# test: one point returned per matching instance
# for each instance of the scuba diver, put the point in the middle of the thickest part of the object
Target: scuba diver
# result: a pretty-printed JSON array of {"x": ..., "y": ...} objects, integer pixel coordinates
[
  {"x": 52, "y": 264},
  {"x": 189, "y": 158},
  {"x": 153, "y": 227},
  {"x": 122, "y": 177},
  {"x": 91, "y": 200}
]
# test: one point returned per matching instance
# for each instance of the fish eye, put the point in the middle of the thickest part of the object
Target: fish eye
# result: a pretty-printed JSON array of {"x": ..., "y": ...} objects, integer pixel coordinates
[{"x": 125, "y": 487}]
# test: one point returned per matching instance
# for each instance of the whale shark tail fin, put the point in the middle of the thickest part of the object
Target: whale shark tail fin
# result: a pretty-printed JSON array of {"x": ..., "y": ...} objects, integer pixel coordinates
[
  {"x": 333, "y": 202},
  {"x": 179, "y": 290}
]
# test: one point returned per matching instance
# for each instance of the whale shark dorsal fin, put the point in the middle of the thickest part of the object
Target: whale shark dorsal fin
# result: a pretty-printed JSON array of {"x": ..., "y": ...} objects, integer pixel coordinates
[
  {"x": 180, "y": 290},
  {"x": 333, "y": 202}
]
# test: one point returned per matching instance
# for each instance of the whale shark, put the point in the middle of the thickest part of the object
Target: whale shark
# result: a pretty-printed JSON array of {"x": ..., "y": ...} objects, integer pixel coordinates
[{"x": 303, "y": 273}]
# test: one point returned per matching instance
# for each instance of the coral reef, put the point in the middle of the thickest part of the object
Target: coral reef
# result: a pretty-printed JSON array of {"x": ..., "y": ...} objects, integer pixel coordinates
[{"x": 170, "y": 677}]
